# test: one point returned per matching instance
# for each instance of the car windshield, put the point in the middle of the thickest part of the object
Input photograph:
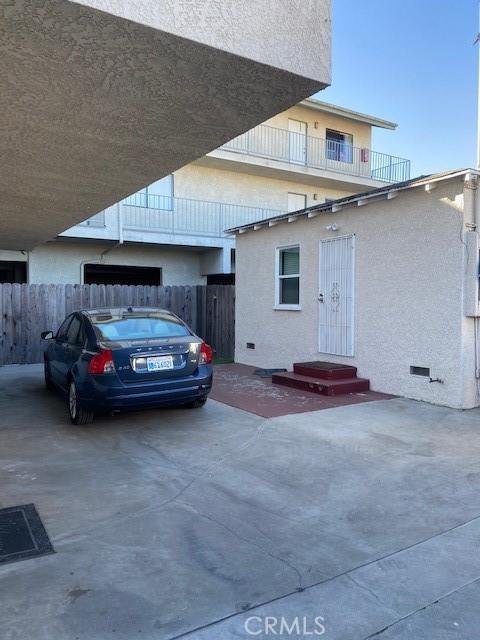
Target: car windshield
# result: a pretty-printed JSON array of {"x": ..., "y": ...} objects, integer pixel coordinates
[{"x": 144, "y": 327}]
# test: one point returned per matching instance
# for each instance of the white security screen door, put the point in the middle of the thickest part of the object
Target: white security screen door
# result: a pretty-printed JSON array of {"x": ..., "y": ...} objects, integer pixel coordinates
[
  {"x": 336, "y": 296},
  {"x": 297, "y": 141},
  {"x": 296, "y": 201}
]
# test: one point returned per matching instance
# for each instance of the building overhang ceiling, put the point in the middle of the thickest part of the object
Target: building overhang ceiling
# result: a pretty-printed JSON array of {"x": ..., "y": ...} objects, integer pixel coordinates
[{"x": 94, "y": 106}]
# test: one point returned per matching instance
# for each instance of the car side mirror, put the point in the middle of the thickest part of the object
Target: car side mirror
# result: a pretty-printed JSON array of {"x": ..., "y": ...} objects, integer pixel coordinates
[{"x": 46, "y": 335}]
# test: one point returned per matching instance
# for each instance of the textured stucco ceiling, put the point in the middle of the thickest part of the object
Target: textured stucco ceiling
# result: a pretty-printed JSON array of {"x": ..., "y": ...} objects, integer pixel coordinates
[
  {"x": 294, "y": 35},
  {"x": 94, "y": 106}
]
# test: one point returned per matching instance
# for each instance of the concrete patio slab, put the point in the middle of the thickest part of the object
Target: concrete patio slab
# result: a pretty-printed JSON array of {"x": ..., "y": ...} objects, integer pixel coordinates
[
  {"x": 455, "y": 617},
  {"x": 376, "y": 600},
  {"x": 238, "y": 386},
  {"x": 177, "y": 523}
]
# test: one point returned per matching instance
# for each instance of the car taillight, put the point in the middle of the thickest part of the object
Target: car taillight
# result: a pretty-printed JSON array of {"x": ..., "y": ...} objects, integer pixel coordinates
[
  {"x": 102, "y": 363},
  {"x": 206, "y": 353}
]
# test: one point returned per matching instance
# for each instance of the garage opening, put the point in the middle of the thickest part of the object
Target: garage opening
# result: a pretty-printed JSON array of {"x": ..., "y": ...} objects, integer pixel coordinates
[
  {"x": 13, "y": 271},
  {"x": 121, "y": 274},
  {"x": 221, "y": 278}
]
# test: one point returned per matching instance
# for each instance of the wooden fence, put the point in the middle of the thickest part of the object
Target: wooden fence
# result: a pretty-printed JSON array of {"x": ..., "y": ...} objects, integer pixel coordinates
[{"x": 28, "y": 309}]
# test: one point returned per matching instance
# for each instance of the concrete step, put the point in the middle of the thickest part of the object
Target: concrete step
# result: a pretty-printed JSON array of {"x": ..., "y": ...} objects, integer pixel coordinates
[
  {"x": 324, "y": 387},
  {"x": 325, "y": 370}
]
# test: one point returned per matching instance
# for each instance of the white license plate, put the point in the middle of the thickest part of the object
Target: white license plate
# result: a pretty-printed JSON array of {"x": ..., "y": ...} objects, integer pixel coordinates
[{"x": 159, "y": 363}]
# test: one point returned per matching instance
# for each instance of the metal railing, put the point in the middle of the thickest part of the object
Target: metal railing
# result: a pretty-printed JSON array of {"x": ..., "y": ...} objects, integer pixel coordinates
[
  {"x": 98, "y": 220},
  {"x": 280, "y": 144},
  {"x": 185, "y": 216}
]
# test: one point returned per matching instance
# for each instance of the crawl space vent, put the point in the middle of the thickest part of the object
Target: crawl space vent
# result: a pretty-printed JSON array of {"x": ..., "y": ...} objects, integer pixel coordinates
[{"x": 420, "y": 371}]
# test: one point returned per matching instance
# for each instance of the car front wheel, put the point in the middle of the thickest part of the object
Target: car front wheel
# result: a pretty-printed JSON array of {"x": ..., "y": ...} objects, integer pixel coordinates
[{"x": 78, "y": 414}]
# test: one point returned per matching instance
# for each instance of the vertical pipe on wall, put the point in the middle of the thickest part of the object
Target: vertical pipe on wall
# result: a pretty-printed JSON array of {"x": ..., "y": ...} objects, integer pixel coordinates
[
  {"x": 476, "y": 324},
  {"x": 471, "y": 212},
  {"x": 120, "y": 223},
  {"x": 477, "y": 40},
  {"x": 470, "y": 202}
]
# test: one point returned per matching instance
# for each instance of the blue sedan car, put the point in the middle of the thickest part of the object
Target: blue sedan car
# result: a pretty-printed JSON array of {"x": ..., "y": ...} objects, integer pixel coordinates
[{"x": 108, "y": 360}]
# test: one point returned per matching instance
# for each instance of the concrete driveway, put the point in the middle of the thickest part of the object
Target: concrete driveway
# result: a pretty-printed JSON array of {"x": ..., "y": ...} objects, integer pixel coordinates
[{"x": 214, "y": 523}]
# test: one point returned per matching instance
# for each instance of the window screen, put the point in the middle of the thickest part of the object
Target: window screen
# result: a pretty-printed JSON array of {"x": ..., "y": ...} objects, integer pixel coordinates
[
  {"x": 289, "y": 276},
  {"x": 339, "y": 146}
]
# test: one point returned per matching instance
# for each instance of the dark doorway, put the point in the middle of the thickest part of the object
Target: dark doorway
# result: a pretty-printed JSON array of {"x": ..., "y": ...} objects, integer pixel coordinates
[
  {"x": 13, "y": 271},
  {"x": 121, "y": 274},
  {"x": 221, "y": 278}
]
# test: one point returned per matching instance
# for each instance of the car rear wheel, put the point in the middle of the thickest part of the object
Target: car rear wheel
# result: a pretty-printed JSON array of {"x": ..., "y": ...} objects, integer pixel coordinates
[
  {"x": 78, "y": 414},
  {"x": 48, "y": 376},
  {"x": 196, "y": 404}
]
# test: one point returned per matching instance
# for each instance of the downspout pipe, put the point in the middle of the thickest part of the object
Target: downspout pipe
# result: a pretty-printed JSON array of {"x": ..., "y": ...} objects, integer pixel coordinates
[
  {"x": 471, "y": 202},
  {"x": 96, "y": 260},
  {"x": 120, "y": 223},
  {"x": 104, "y": 253},
  {"x": 471, "y": 212}
]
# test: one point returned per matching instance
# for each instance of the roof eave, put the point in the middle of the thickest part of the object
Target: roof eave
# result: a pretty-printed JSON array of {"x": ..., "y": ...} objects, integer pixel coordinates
[
  {"x": 326, "y": 107},
  {"x": 340, "y": 203}
]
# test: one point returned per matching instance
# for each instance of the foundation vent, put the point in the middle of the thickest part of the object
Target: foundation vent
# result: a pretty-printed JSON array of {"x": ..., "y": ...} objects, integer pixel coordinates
[{"x": 420, "y": 371}]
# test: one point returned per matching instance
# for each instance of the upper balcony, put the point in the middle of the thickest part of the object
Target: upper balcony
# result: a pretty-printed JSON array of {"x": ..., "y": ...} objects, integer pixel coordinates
[
  {"x": 270, "y": 149},
  {"x": 149, "y": 218},
  {"x": 187, "y": 217}
]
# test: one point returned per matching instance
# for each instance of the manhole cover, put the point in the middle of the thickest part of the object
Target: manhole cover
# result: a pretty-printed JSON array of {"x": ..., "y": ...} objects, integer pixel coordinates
[{"x": 22, "y": 534}]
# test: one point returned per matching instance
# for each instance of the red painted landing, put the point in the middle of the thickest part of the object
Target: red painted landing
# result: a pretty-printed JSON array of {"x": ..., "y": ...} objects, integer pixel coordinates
[
  {"x": 325, "y": 387},
  {"x": 325, "y": 378},
  {"x": 237, "y": 386},
  {"x": 325, "y": 370}
]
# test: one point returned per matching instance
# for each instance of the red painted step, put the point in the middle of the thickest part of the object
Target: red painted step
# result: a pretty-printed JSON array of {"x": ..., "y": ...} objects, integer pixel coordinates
[
  {"x": 324, "y": 387},
  {"x": 325, "y": 370}
]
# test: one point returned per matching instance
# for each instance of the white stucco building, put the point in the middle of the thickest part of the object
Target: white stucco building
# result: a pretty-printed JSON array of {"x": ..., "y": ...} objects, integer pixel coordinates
[
  {"x": 385, "y": 281},
  {"x": 173, "y": 231}
]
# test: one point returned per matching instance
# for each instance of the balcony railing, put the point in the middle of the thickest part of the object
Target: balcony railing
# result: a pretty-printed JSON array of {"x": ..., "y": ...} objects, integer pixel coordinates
[
  {"x": 166, "y": 214},
  {"x": 265, "y": 141},
  {"x": 98, "y": 220}
]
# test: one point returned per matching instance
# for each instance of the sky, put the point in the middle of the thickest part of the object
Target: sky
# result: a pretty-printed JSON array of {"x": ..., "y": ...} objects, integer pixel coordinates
[{"x": 412, "y": 62}]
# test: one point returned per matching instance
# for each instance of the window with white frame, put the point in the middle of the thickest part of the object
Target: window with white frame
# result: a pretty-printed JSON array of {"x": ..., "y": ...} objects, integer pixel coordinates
[
  {"x": 339, "y": 146},
  {"x": 288, "y": 277}
]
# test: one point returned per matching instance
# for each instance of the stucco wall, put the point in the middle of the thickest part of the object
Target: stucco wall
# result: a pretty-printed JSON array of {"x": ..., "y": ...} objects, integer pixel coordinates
[
  {"x": 20, "y": 256},
  {"x": 408, "y": 303},
  {"x": 60, "y": 262},
  {"x": 206, "y": 183},
  {"x": 361, "y": 132}
]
